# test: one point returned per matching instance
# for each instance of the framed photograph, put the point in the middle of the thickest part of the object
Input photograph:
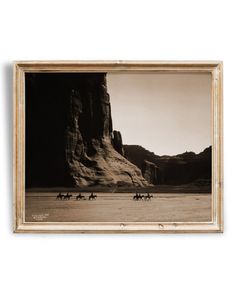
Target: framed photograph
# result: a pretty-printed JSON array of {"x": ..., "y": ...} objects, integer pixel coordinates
[{"x": 118, "y": 146}]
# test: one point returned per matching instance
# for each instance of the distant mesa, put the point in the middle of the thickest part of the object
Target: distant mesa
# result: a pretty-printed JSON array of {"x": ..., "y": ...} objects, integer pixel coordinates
[{"x": 171, "y": 170}]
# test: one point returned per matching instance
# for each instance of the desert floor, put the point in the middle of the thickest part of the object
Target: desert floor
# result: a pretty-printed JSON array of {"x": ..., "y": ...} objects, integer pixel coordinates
[{"x": 118, "y": 207}]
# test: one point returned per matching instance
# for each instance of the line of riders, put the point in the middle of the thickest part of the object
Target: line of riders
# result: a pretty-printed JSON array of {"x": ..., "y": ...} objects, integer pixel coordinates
[
  {"x": 67, "y": 196},
  {"x": 146, "y": 197},
  {"x": 78, "y": 197}
]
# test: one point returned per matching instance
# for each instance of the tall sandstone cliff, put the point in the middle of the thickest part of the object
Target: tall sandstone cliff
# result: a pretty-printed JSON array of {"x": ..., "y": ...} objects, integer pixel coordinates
[{"x": 69, "y": 136}]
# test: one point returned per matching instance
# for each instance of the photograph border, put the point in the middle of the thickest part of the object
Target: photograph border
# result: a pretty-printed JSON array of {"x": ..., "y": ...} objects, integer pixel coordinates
[{"x": 22, "y": 67}]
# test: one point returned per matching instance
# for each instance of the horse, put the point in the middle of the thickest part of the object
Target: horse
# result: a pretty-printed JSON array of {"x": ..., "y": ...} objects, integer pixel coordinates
[
  {"x": 148, "y": 197},
  {"x": 60, "y": 196},
  {"x": 142, "y": 197},
  {"x": 138, "y": 197},
  {"x": 79, "y": 197},
  {"x": 92, "y": 196},
  {"x": 67, "y": 196}
]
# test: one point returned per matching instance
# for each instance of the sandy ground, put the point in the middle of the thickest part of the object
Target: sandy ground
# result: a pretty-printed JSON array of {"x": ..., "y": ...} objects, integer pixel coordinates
[{"x": 118, "y": 207}]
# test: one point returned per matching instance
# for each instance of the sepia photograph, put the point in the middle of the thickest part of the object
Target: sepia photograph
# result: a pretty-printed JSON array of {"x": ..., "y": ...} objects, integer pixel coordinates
[
  {"x": 117, "y": 150},
  {"x": 119, "y": 147}
]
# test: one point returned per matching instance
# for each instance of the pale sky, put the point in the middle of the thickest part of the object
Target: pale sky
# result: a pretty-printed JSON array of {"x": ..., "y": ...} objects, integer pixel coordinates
[{"x": 164, "y": 113}]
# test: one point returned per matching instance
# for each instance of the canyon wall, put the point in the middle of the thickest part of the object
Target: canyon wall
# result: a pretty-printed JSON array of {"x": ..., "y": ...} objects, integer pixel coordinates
[
  {"x": 69, "y": 135},
  {"x": 178, "y": 169}
]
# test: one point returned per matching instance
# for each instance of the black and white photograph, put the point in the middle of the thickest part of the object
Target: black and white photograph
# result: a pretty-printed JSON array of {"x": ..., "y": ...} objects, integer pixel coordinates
[{"x": 118, "y": 147}]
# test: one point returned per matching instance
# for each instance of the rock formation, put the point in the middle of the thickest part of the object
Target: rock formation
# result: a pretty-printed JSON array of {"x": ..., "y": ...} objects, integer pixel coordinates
[
  {"x": 70, "y": 139},
  {"x": 151, "y": 172},
  {"x": 69, "y": 136},
  {"x": 117, "y": 142},
  {"x": 179, "y": 169}
]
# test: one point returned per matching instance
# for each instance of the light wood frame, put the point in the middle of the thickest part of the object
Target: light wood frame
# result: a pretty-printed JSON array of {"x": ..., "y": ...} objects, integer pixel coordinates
[{"x": 21, "y": 67}]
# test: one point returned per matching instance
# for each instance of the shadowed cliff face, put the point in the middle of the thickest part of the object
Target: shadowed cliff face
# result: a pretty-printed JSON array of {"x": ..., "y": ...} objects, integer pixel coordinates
[{"x": 69, "y": 135}]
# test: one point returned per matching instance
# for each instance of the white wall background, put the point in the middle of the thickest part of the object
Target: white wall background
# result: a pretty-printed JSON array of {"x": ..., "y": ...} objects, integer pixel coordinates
[{"x": 117, "y": 266}]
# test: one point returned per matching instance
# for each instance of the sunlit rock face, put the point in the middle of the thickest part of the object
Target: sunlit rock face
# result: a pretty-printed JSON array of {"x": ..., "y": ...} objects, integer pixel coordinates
[{"x": 69, "y": 136}]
